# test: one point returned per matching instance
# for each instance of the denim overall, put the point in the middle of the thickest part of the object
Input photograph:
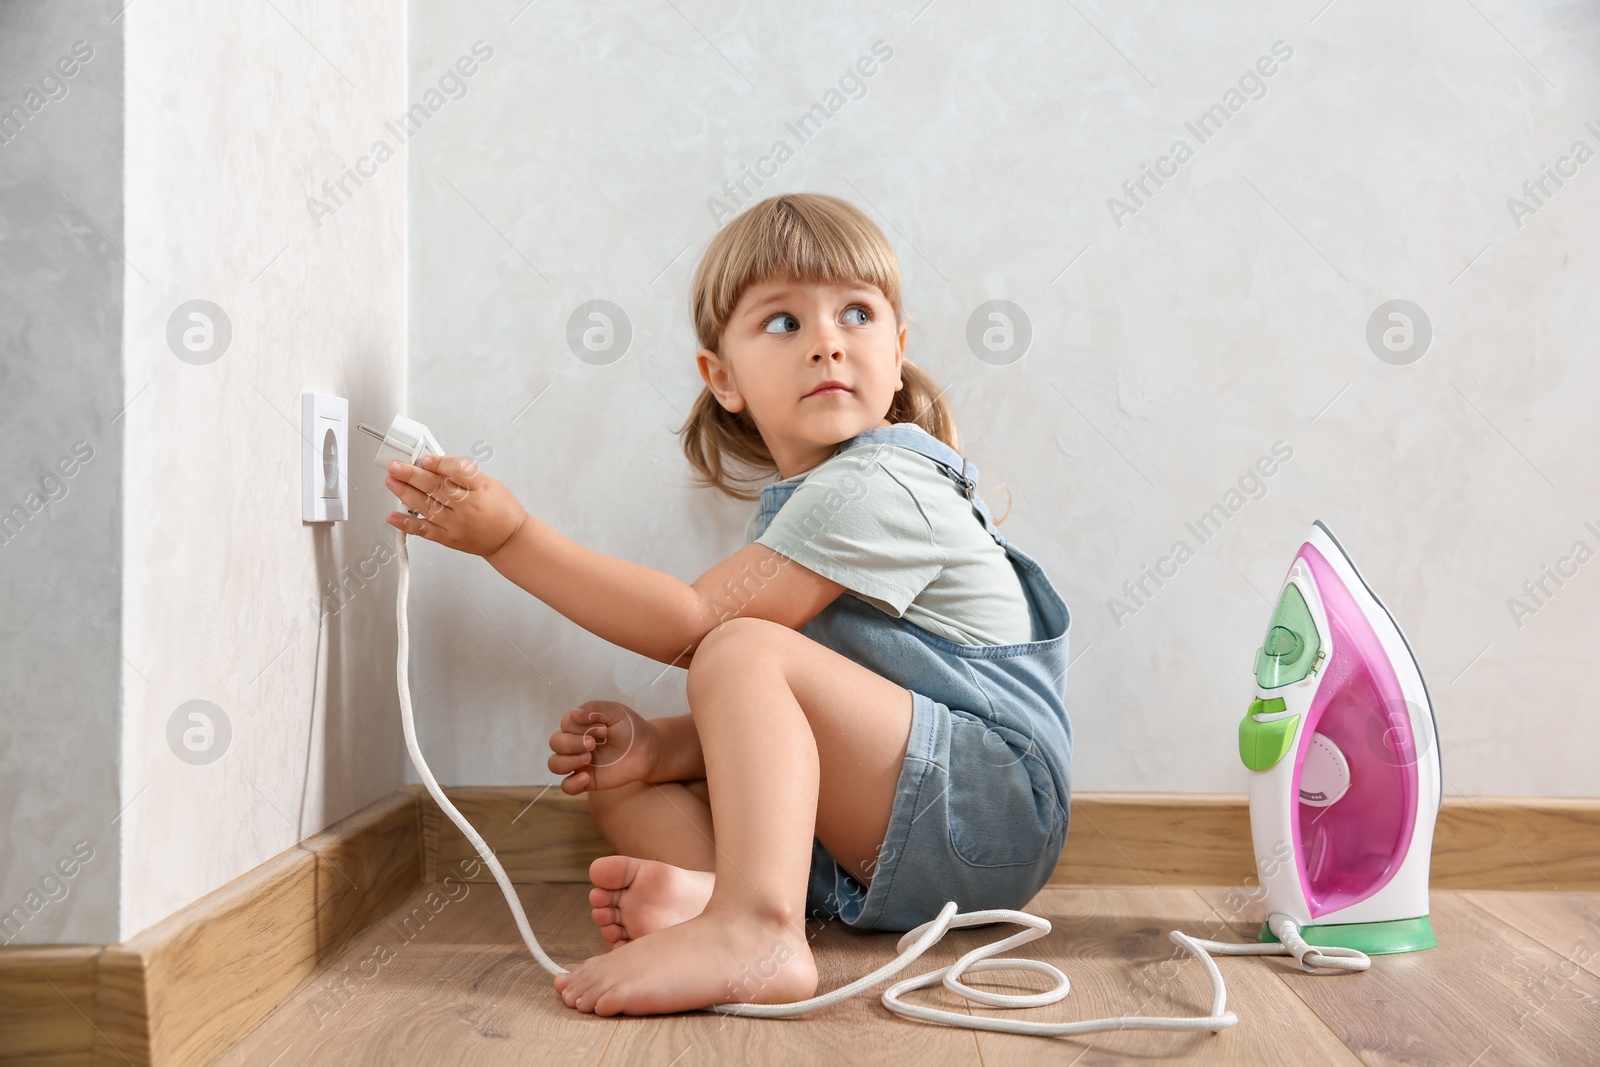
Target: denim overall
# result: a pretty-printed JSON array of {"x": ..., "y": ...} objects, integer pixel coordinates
[{"x": 981, "y": 808}]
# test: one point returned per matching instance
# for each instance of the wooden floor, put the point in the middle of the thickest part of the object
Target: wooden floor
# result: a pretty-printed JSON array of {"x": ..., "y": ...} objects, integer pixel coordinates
[{"x": 1515, "y": 980}]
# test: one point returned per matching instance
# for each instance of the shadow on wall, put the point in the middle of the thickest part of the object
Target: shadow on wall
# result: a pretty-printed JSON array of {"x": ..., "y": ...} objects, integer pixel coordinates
[{"x": 336, "y": 696}]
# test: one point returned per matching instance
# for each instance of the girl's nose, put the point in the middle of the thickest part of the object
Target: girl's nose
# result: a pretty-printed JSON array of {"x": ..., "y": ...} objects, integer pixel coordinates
[{"x": 826, "y": 347}]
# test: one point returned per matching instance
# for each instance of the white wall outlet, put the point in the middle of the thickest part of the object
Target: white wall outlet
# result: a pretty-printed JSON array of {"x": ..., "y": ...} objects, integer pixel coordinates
[{"x": 324, "y": 458}]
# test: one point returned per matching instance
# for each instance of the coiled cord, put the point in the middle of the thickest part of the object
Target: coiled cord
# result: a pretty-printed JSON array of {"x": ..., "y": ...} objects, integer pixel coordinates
[{"x": 915, "y": 942}]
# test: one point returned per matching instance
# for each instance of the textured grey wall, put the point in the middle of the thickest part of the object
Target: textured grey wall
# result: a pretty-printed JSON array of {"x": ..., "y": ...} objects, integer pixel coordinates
[
  {"x": 1335, "y": 157},
  {"x": 194, "y": 680},
  {"x": 61, "y": 518}
]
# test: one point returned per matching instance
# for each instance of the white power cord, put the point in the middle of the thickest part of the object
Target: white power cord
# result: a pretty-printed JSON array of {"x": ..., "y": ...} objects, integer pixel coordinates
[{"x": 915, "y": 942}]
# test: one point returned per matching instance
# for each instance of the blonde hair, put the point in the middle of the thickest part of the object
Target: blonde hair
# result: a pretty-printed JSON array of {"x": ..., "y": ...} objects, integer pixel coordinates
[{"x": 809, "y": 237}]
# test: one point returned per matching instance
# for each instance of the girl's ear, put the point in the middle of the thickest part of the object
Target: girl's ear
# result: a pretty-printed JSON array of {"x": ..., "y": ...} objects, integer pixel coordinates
[
  {"x": 715, "y": 374},
  {"x": 900, "y": 358}
]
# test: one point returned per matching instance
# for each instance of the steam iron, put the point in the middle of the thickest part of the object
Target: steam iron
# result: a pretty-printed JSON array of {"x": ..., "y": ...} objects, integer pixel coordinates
[{"x": 1343, "y": 751}]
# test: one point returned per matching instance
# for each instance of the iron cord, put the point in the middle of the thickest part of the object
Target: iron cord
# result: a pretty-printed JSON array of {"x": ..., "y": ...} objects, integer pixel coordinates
[{"x": 919, "y": 940}]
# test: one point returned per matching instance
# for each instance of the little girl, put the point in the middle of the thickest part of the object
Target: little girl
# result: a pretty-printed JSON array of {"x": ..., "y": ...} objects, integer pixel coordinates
[{"x": 875, "y": 681}]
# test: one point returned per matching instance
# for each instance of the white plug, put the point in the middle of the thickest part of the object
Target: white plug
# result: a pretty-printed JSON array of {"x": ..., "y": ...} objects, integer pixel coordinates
[{"x": 407, "y": 440}]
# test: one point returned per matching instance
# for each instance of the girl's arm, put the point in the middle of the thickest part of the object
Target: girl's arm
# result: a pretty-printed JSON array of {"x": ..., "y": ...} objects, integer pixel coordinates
[
  {"x": 644, "y": 610},
  {"x": 649, "y": 611}
]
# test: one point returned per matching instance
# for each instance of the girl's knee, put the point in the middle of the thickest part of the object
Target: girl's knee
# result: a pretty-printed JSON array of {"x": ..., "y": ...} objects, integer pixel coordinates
[{"x": 728, "y": 645}]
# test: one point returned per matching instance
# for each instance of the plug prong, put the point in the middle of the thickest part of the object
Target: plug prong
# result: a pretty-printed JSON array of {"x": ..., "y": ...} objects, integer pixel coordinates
[{"x": 369, "y": 431}]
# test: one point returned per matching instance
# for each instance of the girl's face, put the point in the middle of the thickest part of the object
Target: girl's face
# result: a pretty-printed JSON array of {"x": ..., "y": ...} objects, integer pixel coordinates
[{"x": 783, "y": 341}]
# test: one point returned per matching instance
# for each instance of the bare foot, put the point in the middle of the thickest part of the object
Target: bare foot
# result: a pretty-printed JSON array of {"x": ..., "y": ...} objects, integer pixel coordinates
[
  {"x": 634, "y": 897},
  {"x": 713, "y": 958}
]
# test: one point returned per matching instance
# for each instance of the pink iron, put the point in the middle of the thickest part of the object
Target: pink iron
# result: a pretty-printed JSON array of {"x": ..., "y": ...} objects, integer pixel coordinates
[{"x": 1343, "y": 751}]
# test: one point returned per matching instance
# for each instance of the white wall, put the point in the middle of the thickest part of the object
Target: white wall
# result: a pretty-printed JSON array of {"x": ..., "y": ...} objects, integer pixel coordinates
[
  {"x": 1169, "y": 352},
  {"x": 236, "y": 114},
  {"x": 61, "y": 388}
]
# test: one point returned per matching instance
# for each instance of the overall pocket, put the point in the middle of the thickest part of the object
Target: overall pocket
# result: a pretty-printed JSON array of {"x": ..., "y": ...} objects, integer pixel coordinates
[{"x": 1002, "y": 803}]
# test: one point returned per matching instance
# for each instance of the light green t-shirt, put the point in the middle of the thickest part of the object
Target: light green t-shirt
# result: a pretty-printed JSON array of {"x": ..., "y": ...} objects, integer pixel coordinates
[{"x": 891, "y": 527}]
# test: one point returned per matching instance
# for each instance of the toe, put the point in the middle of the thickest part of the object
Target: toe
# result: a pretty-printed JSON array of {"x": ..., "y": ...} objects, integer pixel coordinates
[
  {"x": 577, "y": 994},
  {"x": 612, "y": 872},
  {"x": 606, "y": 916}
]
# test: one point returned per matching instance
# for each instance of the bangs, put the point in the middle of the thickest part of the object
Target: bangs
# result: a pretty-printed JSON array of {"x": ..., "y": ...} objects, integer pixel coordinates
[{"x": 804, "y": 237}]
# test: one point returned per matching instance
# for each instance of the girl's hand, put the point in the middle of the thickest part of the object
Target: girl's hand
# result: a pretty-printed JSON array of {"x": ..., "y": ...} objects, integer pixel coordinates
[
  {"x": 458, "y": 505},
  {"x": 601, "y": 745}
]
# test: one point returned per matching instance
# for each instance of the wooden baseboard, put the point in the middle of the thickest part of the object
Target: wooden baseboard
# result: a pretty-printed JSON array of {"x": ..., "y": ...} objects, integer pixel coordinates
[
  {"x": 538, "y": 834},
  {"x": 1528, "y": 843},
  {"x": 190, "y": 986},
  {"x": 47, "y": 1004},
  {"x": 186, "y": 988}
]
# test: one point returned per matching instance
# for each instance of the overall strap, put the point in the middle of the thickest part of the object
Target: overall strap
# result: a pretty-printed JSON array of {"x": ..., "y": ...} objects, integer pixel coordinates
[{"x": 960, "y": 469}]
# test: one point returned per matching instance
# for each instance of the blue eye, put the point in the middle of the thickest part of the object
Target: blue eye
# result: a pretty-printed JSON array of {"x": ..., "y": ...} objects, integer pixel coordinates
[
  {"x": 866, "y": 313},
  {"x": 782, "y": 316}
]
